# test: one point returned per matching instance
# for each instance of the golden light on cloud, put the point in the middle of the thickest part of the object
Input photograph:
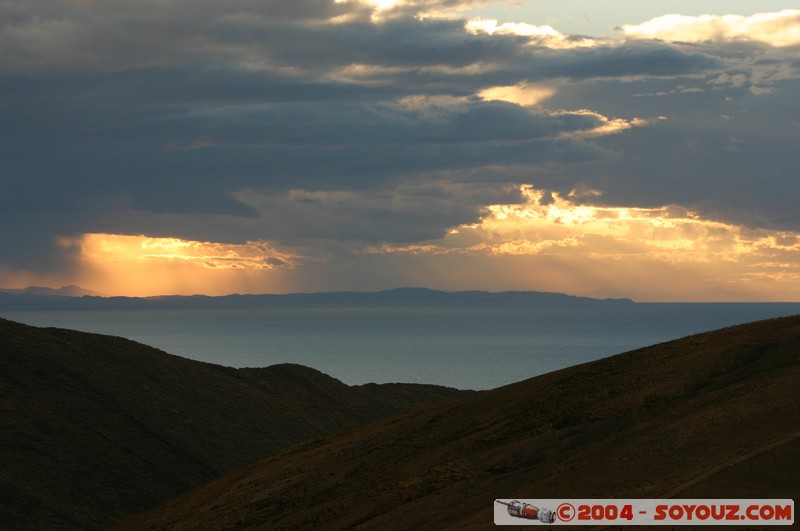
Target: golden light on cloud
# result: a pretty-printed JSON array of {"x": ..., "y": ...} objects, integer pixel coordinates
[
  {"x": 778, "y": 29},
  {"x": 644, "y": 249},
  {"x": 524, "y": 94},
  {"x": 605, "y": 125},
  {"x": 209, "y": 255},
  {"x": 540, "y": 35},
  {"x": 141, "y": 265},
  {"x": 547, "y": 222}
]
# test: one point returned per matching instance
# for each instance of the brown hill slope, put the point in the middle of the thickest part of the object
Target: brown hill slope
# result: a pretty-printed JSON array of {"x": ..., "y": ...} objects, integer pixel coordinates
[
  {"x": 96, "y": 428},
  {"x": 712, "y": 415}
]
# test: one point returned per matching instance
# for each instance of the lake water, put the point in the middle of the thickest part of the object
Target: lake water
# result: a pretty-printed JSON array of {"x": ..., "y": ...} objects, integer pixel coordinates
[{"x": 469, "y": 346}]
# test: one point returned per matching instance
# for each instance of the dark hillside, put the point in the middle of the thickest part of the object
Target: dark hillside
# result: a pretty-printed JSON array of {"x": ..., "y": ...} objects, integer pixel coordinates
[
  {"x": 305, "y": 395},
  {"x": 715, "y": 415},
  {"x": 95, "y": 428}
]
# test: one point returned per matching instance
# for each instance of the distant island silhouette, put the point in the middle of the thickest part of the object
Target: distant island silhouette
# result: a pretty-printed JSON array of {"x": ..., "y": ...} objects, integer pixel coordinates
[
  {"x": 65, "y": 291},
  {"x": 41, "y": 298}
]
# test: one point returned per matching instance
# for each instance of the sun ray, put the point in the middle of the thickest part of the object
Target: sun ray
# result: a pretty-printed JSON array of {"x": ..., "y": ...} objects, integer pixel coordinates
[
  {"x": 145, "y": 265},
  {"x": 650, "y": 244}
]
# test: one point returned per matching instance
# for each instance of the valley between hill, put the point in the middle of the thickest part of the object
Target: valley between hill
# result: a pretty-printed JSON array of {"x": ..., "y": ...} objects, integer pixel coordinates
[
  {"x": 714, "y": 415},
  {"x": 97, "y": 428}
]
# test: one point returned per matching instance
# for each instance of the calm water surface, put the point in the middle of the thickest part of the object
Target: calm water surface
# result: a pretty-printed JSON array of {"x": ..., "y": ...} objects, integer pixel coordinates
[{"x": 473, "y": 346}]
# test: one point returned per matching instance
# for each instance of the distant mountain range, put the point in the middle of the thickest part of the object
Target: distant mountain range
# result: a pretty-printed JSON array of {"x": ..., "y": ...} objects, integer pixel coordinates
[
  {"x": 34, "y": 298},
  {"x": 65, "y": 291},
  {"x": 97, "y": 428}
]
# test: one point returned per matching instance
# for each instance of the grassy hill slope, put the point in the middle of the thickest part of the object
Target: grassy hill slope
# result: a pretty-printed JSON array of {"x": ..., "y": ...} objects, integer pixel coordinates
[
  {"x": 712, "y": 415},
  {"x": 96, "y": 428}
]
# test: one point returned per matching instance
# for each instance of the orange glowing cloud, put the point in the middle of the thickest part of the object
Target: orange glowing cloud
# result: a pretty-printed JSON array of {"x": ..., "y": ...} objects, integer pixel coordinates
[
  {"x": 141, "y": 265},
  {"x": 547, "y": 242},
  {"x": 625, "y": 249},
  {"x": 251, "y": 255}
]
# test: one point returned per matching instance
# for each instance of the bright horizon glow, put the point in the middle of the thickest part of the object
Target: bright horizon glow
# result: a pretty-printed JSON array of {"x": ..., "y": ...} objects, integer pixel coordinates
[
  {"x": 673, "y": 253},
  {"x": 208, "y": 255},
  {"x": 138, "y": 265},
  {"x": 547, "y": 243}
]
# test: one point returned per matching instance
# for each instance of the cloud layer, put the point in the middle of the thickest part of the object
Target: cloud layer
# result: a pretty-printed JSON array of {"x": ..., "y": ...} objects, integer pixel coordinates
[{"x": 332, "y": 127}]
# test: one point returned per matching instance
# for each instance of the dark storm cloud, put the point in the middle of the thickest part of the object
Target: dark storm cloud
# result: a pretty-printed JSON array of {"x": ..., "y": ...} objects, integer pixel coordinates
[
  {"x": 162, "y": 116},
  {"x": 400, "y": 43},
  {"x": 633, "y": 59},
  {"x": 410, "y": 212},
  {"x": 191, "y": 160},
  {"x": 723, "y": 150}
]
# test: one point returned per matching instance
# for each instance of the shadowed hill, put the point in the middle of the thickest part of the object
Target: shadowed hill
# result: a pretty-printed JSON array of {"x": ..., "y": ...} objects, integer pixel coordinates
[
  {"x": 96, "y": 428},
  {"x": 712, "y": 415}
]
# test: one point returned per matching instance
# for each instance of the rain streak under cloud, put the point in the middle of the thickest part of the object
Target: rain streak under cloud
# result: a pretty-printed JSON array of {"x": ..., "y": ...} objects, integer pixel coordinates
[{"x": 178, "y": 146}]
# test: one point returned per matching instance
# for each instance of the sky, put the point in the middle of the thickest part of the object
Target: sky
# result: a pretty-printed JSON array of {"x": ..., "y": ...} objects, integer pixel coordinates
[{"x": 601, "y": 148}]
